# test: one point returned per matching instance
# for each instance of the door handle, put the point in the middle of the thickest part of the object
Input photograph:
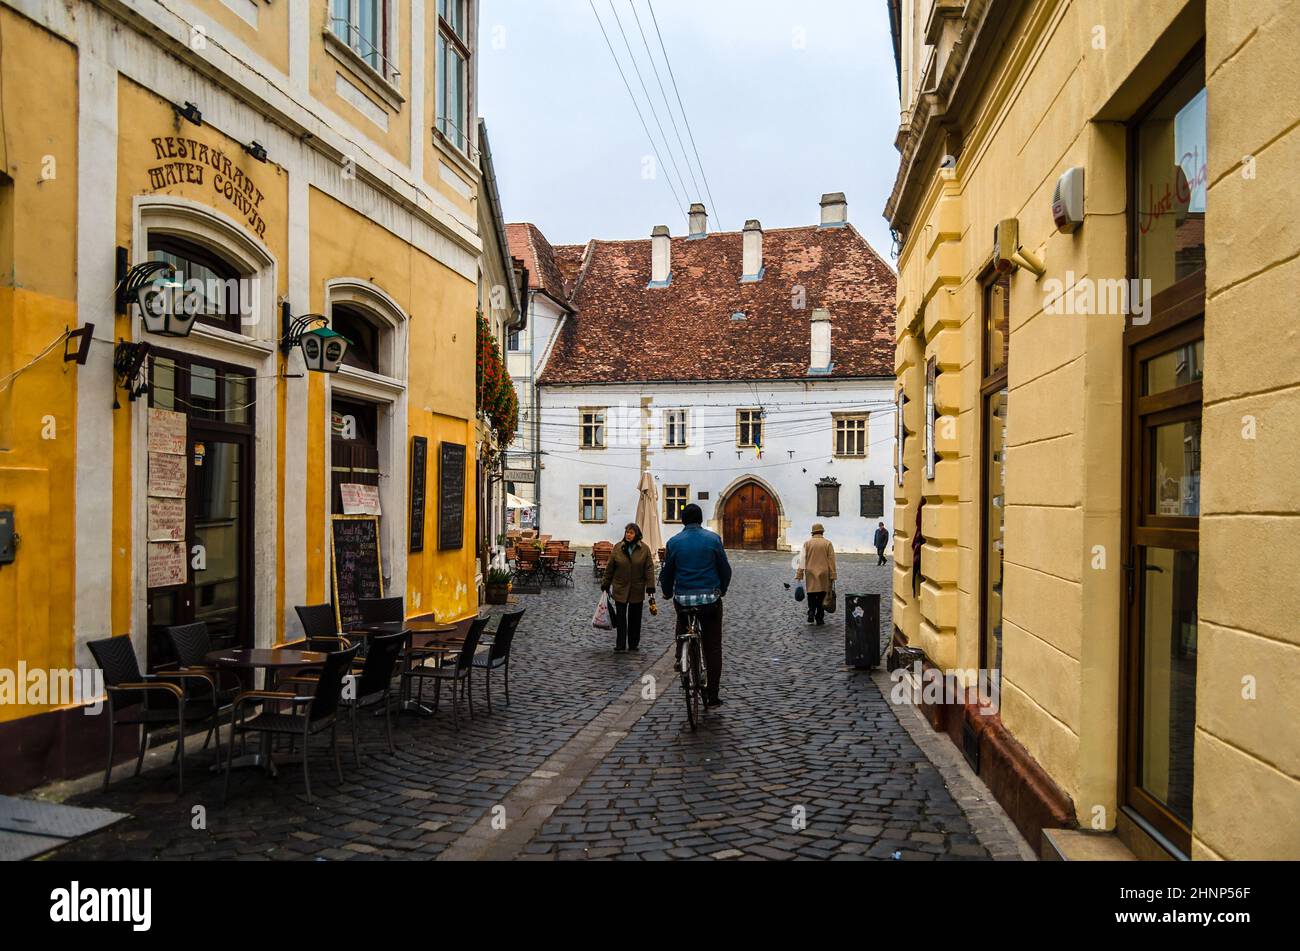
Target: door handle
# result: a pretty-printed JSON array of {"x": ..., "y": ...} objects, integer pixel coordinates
[{"x": 1130, "y": 574}]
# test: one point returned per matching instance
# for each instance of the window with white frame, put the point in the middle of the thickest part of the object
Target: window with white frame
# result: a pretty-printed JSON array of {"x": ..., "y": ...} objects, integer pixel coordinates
[
  {"x": 592, "y": 428},
  {"x": 369, "y": 28},
  {"x": 453, "y": 71},
  {"x": 675, "y": 499},
  {"x": 591, "y": 506},
  {"x": 749, "y": 427},
  {"x": 674, "y": 428},
  {"x": 851, "y": 435}
]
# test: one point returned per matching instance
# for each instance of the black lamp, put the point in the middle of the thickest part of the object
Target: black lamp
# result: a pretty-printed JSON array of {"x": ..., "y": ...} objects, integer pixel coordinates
[
  {"x": 161, "y": 300},
  {"x": 323, "y": 348}
]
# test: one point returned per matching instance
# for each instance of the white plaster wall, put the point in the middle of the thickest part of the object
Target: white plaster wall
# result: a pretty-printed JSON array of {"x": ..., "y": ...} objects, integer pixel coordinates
[{"x": 798, "y": 452}]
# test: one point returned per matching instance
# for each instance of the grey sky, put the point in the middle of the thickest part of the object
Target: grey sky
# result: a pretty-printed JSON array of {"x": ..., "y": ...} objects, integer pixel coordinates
[{"x": 787, "y": 101}]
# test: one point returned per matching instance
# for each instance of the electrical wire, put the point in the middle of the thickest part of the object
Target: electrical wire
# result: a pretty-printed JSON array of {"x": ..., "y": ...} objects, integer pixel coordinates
[
  {"x": 685, "y": 118},
  {"x": 10, "y": 378},
  {"x": 635, "y": 104}
]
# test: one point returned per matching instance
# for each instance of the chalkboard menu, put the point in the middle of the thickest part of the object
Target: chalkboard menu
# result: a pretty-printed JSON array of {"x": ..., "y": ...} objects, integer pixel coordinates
[
  {"x": 419, "y": 470},
  {"x": 354, "y": 557},
  {"x": 451, "y": 496}
]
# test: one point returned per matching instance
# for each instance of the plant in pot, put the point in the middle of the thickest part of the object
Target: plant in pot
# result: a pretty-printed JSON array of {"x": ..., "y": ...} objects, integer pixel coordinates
[{"x": 496, "y": 590}]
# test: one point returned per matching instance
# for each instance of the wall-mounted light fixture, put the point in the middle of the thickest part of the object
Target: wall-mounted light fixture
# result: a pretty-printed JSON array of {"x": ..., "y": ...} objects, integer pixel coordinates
[
  {"x": 322, "y": 347},
  {"x": 161, "y": 299},
  {"x": 257, "y": 150},
  {"x": 190, "y": 112}
]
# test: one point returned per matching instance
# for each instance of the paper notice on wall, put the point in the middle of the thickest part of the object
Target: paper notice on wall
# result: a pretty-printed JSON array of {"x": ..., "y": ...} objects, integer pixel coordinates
[
  {"x": 360, "y": 499},
  {"x": 166, "y": 564},
  {"x": 166, "y": 476},
  {"x": 166, "y": 432},
  {"x": 166, "y": 520}
]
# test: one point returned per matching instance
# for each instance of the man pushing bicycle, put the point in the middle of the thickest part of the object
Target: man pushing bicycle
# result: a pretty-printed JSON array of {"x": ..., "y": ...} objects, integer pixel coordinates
[{"x": 696, "y": 575}]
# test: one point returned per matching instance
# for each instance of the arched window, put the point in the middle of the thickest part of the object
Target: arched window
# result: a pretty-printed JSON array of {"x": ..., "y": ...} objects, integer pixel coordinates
[
  {"x": 363, "y": 335},
  {"x": 205, "y": 274}
]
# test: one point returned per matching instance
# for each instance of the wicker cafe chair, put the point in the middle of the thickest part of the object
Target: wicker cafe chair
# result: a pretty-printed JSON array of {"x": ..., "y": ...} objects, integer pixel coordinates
[
  {"x": 191, "y": 645},
  {"x": 382, "y": 610},
  {"x": 601, "y": 553},
  {"x": 565, "y": 563},
  {"x": 528, "y": 563},
  {"x": 374, "y": 685},
  {"x": 496, "y": 654},
  {"x": 458, "y": 672},
  {"x": 129, "y": 694},
  {"x": 321, "y": 714}
]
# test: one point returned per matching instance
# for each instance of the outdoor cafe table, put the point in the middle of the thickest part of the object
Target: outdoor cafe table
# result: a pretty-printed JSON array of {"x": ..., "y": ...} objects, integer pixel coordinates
[{"x": 255, "y": 658}]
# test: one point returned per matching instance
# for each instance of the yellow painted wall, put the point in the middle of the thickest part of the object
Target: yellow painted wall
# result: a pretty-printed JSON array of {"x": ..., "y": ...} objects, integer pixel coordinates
[
  {"x": 1052, "y": 101},
  {"x": 325, "y": 69},
  {"x": 269, "y": 39},
  {"x": 37, "y": 302},
  {"x": 440, "y": 389}
]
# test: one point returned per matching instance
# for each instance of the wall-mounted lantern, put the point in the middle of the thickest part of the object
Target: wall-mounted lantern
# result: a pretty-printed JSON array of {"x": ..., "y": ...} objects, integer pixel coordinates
[
  {"x": 161, "y": 299},
  {"x": 323, "y": 348}
]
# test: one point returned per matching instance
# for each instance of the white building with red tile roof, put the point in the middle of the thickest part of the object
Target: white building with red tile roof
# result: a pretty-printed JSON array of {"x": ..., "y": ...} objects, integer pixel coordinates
[{"x": 750, "y": 373}]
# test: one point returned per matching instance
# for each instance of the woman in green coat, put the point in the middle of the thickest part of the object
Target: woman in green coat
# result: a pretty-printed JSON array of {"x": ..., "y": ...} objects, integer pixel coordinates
[{"x": 628, "y": 576}]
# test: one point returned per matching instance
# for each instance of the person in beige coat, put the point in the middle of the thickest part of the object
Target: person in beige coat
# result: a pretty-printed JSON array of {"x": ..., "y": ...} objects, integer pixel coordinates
[
  {"x": 817, "y": 573},
  {"x": 629, "y": 575}
]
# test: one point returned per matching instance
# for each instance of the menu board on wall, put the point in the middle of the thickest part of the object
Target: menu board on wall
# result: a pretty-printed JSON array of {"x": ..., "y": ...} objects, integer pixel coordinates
[
  {"x": 168, "y": 481},
  {"x": 419, "y": 474},
  {"x": 355, "y": 564},
  {"x": 451, "y": 496},
  {"x": 166, "y": 520},
  {"x": 166, "y": 431}
]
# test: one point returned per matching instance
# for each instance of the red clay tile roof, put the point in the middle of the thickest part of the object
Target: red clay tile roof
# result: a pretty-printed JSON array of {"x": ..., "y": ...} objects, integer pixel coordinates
[
  {"x": 624, "y": 331},
  {"x": 529, "y": 245}
]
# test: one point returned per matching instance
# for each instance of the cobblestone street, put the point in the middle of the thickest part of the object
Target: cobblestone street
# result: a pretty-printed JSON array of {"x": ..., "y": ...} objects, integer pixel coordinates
[{"x": 806, "y": 759}]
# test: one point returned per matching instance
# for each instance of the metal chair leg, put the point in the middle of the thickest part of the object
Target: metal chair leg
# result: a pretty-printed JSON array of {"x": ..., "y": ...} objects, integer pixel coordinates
[
  {"x": 356, "y": 742},
  {"x": 455, "y": 705},
  {"x": 108, "y": 770},
  {"x": 334, "y": 739},
  {"x": 388, "y": 725},
  {"x": 306, "y": 771},
  {"x": 230, "y": 760},
  {"x": 469, "y": 691},
  {"x": 144, "y": 745},
  {"x": 506, "y": 669},
  {"x": 180, "y": 750}
]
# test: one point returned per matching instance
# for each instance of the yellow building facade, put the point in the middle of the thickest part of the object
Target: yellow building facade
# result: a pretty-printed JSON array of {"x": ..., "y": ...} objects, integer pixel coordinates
[
  {"x": 285, "y": 160},
  {"x": 1100, "y": 404}
]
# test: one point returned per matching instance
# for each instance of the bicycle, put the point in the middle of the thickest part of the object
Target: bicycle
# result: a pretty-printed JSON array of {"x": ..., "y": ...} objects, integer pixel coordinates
[{"x": 690, "y": 664}]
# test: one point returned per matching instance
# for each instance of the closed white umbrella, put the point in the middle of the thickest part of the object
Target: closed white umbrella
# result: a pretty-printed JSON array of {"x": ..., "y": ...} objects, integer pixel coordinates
[{"x": 647, "y": 515}]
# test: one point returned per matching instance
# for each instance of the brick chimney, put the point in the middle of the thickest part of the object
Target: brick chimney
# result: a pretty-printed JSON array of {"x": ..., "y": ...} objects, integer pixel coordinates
[
  {"x": 835, "y": 210},
  {"x": 752, "y": 240},
  {"x": 661, "y": 257},
  {"x": 820, "y": 341},
  {"x": 699, "y": 218}
]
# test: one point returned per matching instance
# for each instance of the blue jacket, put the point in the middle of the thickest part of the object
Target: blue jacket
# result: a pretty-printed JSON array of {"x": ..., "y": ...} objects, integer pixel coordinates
[{"x": 696, "y": 562}]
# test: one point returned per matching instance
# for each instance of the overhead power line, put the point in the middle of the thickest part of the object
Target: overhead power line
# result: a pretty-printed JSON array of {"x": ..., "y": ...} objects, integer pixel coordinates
[
  {"x": 635, "y": 105},
  {"x": 673, "y": 76},
  {"x": 698, "y": 194}
]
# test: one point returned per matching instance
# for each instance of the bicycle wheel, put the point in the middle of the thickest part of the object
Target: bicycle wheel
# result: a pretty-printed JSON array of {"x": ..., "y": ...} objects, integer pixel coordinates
[{"x": 698, "y": 677}]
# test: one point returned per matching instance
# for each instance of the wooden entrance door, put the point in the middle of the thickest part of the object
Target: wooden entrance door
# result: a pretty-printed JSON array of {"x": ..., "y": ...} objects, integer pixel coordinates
[{"x": 749, "y": 519}]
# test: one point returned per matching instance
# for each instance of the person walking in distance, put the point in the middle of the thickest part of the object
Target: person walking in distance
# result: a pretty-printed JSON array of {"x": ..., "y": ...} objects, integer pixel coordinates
[
  {"x": 697, "y": 571},
  {"x": 817, "y": 573},
  {"x": 881, "y": 540},
  {"x": 628, "y": 576}
]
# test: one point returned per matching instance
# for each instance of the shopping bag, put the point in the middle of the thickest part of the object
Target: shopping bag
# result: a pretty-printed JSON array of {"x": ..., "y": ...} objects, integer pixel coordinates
[
  {"x": 600, "y": 620},
  {"x": 829, "y": 604},
  {"x": 799, "y": 592}
]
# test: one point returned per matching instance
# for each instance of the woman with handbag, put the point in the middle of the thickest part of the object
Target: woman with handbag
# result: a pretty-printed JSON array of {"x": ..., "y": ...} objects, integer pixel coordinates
[
  {"x": 629, "y": 575},
  {"x": 818, "y": 573}
]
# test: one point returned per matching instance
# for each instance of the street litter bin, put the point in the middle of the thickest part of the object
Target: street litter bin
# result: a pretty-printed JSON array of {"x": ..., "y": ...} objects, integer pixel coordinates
[{"x": 862, "y": 630}]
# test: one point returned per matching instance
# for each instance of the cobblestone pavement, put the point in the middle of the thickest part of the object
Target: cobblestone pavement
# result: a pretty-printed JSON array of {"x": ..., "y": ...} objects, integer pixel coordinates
[{"x": 581, "y": 765}]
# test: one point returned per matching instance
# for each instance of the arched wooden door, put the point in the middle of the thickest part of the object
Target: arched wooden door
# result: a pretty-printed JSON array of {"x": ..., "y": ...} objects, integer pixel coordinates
[{"x": 749, "y": 519}]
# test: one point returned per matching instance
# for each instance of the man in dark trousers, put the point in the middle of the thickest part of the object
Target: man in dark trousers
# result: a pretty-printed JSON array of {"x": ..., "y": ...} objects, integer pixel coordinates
[
  {"x": 881, "y": 539},
  {"x": 698, "y": 572}
]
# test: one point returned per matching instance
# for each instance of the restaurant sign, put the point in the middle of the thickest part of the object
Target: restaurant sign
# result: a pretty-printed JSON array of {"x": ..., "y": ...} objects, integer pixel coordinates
[{"x": 185, "y": 161}]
